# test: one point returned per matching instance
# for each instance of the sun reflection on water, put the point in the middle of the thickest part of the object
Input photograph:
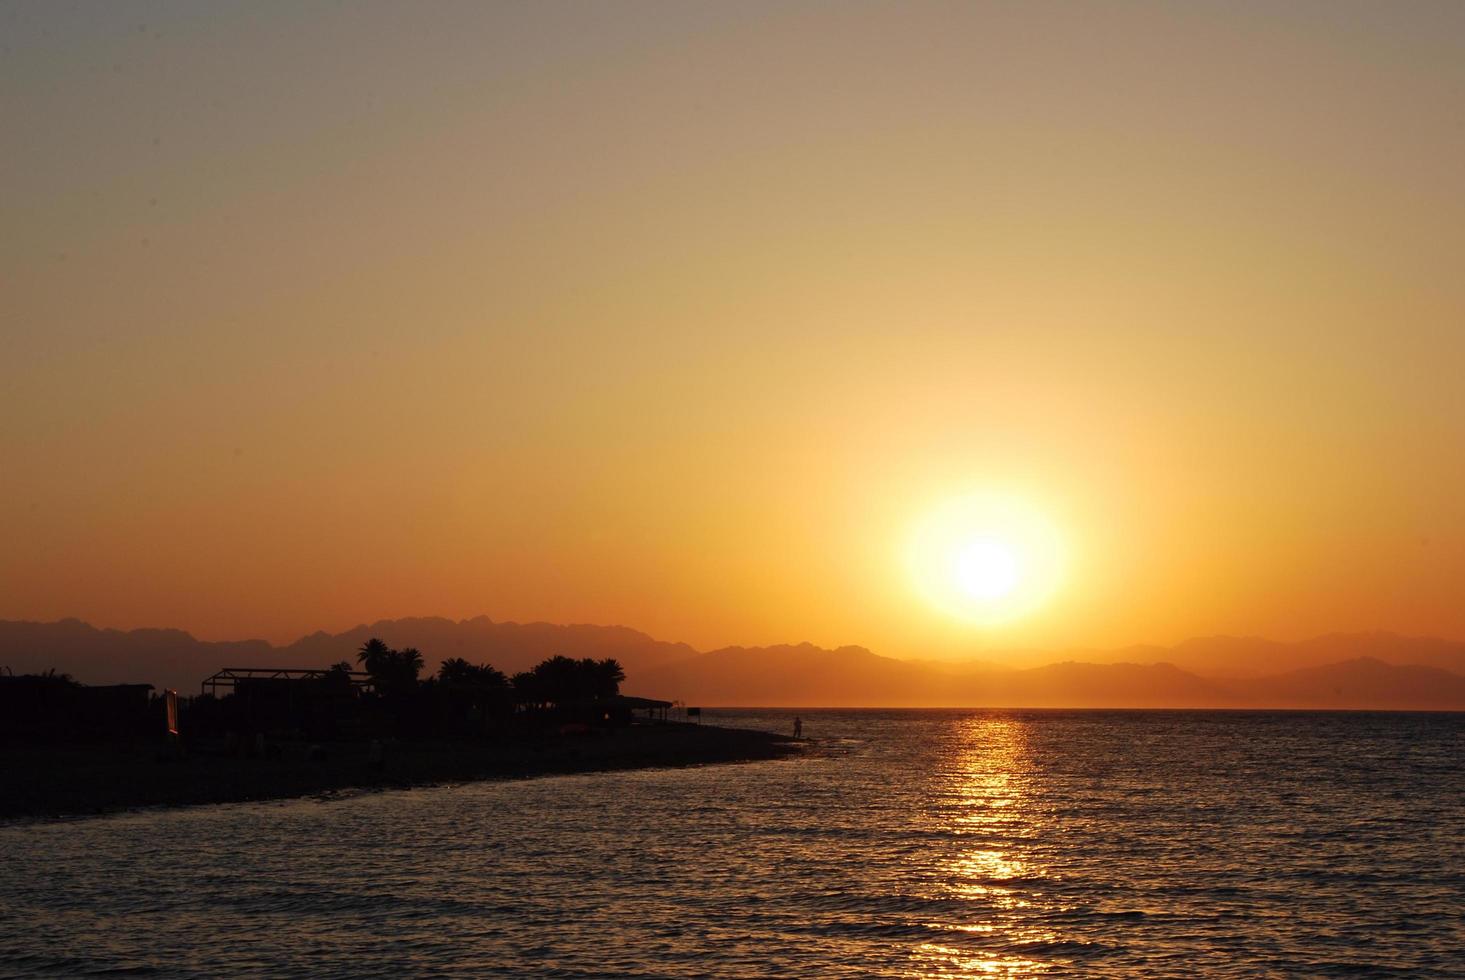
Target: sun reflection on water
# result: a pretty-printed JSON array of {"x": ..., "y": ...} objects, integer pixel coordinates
[{"x": 985, "y": 800}]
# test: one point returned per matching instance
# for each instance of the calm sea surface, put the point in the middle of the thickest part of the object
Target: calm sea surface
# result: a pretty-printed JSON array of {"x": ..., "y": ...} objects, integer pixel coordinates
[{"x": 905, "y": 844}]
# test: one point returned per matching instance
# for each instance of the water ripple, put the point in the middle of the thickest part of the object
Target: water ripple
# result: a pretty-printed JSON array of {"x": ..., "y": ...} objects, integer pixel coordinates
[{"x": 903, "y": 844}]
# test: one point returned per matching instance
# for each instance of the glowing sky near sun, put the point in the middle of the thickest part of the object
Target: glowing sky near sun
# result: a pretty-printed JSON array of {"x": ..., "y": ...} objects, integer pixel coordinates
[{"x": 684, "y": 315}]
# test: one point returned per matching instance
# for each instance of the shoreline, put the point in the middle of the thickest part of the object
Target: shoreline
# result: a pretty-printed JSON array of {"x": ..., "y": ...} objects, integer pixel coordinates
[{"x": 51, "y": 781}]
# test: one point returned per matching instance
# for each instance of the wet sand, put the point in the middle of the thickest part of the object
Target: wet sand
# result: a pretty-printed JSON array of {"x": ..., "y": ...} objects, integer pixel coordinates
[{"x": 71, "y": 780}]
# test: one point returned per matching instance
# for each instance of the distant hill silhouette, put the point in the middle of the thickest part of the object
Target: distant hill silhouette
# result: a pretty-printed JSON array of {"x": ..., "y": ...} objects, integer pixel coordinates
[
  {"x": 161, "y": 657},
  {"x": 806, "y": 676},
  {"x": 511, "y": 647},
  {"x": 1369, "y": 670},
  {"x": 173, "y": 658},
  {"x": 1362, "y": 683},
  {"x": 795, "y": 675},
  {"x": 1237, "y": 656}
]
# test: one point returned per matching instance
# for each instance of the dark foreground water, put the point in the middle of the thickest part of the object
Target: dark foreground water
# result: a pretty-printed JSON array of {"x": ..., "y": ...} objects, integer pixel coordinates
[{"x": 907, "y": 844}]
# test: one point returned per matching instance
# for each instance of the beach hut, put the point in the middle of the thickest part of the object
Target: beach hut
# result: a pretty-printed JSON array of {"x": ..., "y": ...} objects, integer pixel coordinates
[{"x": 623, "y": 709}]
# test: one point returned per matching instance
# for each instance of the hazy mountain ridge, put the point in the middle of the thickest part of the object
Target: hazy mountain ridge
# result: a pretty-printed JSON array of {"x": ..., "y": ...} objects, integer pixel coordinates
[
  {"x": 1295, "y": 675},
  {"x": 508, "y": 646},
  {"x": 174, "y": 658},
  {"x": 756, "y": 678},
  {"x": 164, "y": 657},
  {"x": 790, "y": 677},
  {"x": 1370, "y": 670},
  {"x": 1364, "y": 682},
  {"x": 1250, "y": 656}
]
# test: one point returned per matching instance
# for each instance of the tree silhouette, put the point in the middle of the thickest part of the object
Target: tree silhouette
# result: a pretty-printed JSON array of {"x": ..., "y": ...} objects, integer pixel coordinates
[
  {"x": 561, "y": 680},
  {"x": 608, "y": 677},
  {"x": 393, "y": 672},
  {"x": 338, "y": 678},
  {"x": 409, "y": 661},
  {"x": 455, "y": 670},
  {"x": 528, "y": 689},
  {"x": 458, "y": 672},
  {"x": 461, "y": 685},
  {"x": 373, "y": 655}
]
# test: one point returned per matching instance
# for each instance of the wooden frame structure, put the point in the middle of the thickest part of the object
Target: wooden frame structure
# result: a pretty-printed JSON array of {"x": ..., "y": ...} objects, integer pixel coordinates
[{"x": 228, "y": 677}]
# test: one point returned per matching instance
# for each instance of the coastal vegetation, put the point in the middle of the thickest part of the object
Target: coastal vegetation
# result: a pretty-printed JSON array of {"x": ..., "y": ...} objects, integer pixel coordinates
[
  {"x": 388, "y": 696},
  {"x": 472, "y": 696}
]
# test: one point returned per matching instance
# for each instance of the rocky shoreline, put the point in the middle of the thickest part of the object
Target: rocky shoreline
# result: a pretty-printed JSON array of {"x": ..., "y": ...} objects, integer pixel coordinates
[{"x": 41, "y": 781}]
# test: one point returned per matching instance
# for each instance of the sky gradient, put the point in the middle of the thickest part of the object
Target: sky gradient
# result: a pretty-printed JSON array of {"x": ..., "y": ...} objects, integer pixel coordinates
[{"x": 682, "y": 316}]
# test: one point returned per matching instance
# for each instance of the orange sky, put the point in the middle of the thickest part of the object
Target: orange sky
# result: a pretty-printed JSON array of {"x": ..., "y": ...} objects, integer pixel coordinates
[{"x": 680, "y": 316}]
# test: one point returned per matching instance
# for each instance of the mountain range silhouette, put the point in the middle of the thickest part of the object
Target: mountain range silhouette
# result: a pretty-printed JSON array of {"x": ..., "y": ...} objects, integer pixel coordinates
[{"x": 1338, "y": 671}]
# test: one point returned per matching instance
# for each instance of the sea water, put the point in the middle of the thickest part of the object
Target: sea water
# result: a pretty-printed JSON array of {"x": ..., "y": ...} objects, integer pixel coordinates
[{"x": 898, "y": 844}]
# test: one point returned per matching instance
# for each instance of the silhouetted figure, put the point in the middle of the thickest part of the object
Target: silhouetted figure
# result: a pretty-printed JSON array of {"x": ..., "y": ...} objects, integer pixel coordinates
[{"x": 798, "y": 727}]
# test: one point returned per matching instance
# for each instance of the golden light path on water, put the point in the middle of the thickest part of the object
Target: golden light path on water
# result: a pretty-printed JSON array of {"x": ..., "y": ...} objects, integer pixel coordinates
[
  {"x": 915, "y": 844},
  {"x": 987, "y": 798}
]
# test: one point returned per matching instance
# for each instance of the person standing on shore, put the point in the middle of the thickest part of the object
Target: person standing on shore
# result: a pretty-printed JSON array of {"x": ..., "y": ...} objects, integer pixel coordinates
[{"x": 798, "y": 727}]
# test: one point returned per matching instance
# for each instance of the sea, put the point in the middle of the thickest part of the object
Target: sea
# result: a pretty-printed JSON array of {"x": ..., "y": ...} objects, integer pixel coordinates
[{"x": 913, "y": 844}]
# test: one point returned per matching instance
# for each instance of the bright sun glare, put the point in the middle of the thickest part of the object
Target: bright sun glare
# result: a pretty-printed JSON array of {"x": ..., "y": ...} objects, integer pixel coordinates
[
  {"x": 986, "y": 569},
  {"x": 986, "y": 558}
]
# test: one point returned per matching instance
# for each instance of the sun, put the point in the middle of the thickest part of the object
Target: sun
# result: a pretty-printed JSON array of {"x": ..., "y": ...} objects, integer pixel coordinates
[
  {"x": 986, "y": 569},
  {"x": 986, "y": 558}
]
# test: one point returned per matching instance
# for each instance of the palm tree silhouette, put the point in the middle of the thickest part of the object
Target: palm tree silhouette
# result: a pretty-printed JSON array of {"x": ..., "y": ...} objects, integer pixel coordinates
[
  {"x": 455, "y": 670},
  {"x": 393, "y": 672},
  {"x": 373, "y": 655},
  {"x": 608, "y": 677},
  {"x": 409, "y": 662}
]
